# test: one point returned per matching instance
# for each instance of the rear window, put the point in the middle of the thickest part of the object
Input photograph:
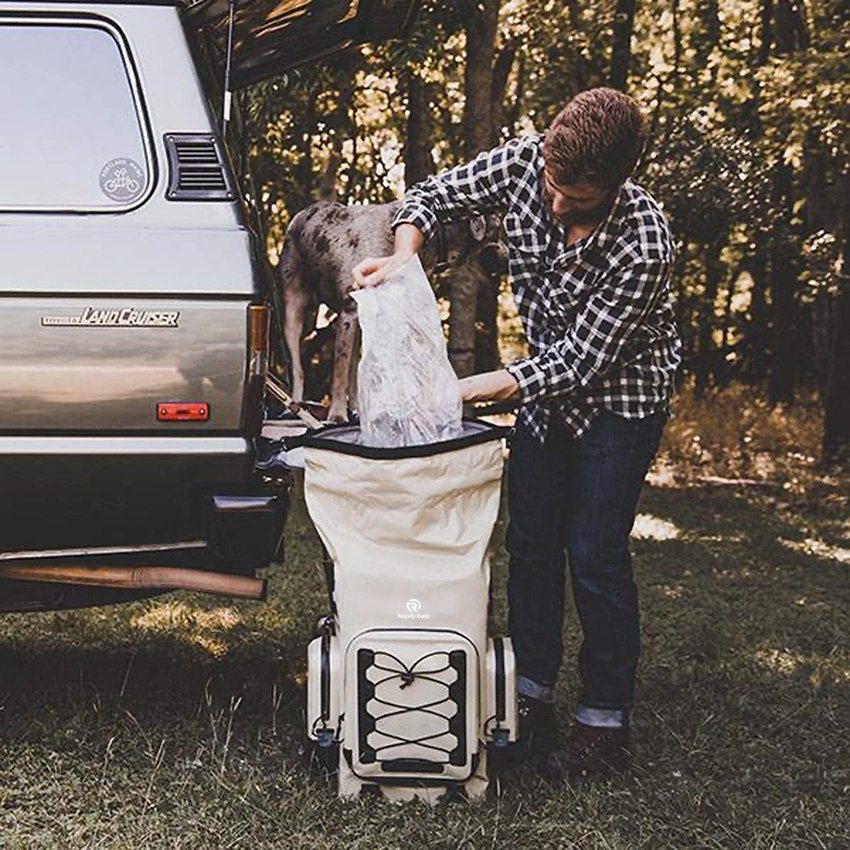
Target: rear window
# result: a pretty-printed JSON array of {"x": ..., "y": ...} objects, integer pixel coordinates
[{"x": 72, "y": 136}]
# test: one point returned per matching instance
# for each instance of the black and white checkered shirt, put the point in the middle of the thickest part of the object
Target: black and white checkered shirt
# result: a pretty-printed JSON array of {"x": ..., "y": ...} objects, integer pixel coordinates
[{"x": 597, "y": 313}]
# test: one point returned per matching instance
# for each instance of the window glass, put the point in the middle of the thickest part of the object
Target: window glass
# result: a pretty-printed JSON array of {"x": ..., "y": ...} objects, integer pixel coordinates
[{"x": 71, "y": 136}]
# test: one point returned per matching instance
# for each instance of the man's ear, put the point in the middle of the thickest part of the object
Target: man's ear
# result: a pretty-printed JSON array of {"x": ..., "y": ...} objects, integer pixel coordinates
[{"x": 478, "y": 227}]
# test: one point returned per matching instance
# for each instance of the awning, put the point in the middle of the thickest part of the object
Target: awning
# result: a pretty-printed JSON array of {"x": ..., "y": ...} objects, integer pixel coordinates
[{"x": 271, "y": 36}]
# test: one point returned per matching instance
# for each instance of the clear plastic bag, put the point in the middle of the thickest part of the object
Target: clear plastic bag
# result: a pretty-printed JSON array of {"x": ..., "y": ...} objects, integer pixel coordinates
[{"x": 407, "y": 391}]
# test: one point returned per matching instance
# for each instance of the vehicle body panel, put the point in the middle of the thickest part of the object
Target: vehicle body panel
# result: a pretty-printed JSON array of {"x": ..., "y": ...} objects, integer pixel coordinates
[
  {"x": 106, "y": 490},
  {"x": 84, "y": 461},
  {"x": 96, "y": 377},
  {"x": 87, "y": 471}
]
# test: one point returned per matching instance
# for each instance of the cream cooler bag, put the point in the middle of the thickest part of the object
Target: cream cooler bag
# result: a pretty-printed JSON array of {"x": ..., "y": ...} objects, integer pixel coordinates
[{"x": 406, "y": 692}]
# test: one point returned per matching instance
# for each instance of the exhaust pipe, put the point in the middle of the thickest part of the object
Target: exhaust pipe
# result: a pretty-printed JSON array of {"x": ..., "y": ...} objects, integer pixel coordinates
[{"x": 154, "y": 578}]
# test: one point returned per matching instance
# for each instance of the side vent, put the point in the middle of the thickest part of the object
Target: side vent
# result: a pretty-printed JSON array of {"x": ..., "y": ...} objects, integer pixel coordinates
[{"x": 196, "y": 169}]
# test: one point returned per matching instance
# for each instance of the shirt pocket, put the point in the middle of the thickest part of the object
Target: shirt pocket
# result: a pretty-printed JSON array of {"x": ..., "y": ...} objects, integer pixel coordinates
[
  {"x": 565, "y": 296},
  {"x": 571, "y": 288},
  {"x": 522, "y": 234},
  {"x": 559, "y": 308}
]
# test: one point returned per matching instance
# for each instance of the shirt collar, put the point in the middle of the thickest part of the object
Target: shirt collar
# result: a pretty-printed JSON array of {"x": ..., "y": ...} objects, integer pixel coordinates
[{"x": 605, "y": 230}]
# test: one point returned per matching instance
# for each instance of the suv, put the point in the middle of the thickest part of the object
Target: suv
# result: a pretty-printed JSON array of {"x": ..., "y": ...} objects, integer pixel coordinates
[{"x": 135, "y": 302}]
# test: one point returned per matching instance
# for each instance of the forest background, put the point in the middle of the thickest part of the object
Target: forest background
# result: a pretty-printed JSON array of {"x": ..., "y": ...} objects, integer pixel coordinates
[{"x": 749, "y": 154}]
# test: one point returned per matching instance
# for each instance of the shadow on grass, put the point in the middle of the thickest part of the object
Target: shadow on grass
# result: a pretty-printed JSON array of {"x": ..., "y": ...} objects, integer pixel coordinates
[{"x": 168, "y": 723}]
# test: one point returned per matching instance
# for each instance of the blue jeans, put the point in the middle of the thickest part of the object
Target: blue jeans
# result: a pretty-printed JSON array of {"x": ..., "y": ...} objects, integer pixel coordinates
[{"x": 578, "y": 494}]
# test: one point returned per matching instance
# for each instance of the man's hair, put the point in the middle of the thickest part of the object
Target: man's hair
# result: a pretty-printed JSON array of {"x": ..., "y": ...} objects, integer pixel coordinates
[{"x": 597, "y": 138}]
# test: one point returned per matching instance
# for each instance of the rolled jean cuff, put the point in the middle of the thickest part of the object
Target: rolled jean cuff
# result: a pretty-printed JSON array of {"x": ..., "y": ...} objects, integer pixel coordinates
[
  {"x": 529, "y": 688},
  {"x": 611, "y": 718}
]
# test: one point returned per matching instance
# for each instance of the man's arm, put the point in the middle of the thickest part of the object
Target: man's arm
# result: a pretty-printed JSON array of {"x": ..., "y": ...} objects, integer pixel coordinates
[
  {"x": 590, "y": 347},
  {"x": 478, "y": 186}
]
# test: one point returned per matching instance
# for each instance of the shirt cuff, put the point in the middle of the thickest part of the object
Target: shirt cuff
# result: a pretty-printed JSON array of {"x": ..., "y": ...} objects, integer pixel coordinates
[
  {"x": 414, "y": 212},
  {"x": 530, "y": 377}
]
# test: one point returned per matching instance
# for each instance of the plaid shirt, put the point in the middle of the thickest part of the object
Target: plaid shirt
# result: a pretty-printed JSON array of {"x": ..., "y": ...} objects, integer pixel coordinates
[{"x": 597, "y": 313}]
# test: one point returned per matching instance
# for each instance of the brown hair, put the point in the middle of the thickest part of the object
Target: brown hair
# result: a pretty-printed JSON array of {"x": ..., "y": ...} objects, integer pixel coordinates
[{"x": 597, "y": 138}]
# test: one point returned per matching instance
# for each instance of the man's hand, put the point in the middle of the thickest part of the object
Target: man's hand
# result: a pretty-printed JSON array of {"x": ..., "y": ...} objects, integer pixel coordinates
[
  {"x": 375, "y": 270},
  {"x": 489, "y": 386}
]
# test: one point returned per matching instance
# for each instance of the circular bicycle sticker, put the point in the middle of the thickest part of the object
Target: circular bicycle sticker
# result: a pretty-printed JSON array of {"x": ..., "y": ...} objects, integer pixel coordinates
[{"x": 122, "y": 179}]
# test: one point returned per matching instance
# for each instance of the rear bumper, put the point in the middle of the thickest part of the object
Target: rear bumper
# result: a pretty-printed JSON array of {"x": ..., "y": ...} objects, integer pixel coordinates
[{"x": 87, "y": 492}]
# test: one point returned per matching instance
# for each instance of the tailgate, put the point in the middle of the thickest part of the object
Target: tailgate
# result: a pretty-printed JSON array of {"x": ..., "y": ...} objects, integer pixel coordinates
[
  {"x": 100, "y": 325},
  {"x": 106, "y": 364}
]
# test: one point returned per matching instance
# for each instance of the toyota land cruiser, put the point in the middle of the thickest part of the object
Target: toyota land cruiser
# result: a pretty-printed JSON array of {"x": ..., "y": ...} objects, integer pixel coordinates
[{"x": 134, "y": 307}]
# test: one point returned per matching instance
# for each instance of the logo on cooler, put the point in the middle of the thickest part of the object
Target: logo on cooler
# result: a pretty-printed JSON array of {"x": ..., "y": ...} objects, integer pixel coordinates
[{"x": 413, "y": 606}]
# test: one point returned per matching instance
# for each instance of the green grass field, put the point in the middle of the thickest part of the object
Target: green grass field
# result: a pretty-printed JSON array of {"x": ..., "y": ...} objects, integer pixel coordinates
[{"x": 170, "y": 723}]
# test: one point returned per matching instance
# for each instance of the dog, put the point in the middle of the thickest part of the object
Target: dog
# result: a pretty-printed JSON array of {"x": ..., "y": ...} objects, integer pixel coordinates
[{"x": 324, "y": 242}]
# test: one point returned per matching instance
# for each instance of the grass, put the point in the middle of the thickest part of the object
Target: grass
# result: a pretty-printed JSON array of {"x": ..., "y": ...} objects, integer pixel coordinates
[{"x": 169, "y": 723}]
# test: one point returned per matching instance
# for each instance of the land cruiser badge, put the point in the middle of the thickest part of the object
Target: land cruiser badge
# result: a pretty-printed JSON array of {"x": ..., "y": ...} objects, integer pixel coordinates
[
  {"x": 122, "y": 179},
  {"x": 121, "y": 317}
]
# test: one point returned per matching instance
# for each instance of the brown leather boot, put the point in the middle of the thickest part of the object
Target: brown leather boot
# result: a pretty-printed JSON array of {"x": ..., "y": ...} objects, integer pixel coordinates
[{"x": 592, "y": 752}]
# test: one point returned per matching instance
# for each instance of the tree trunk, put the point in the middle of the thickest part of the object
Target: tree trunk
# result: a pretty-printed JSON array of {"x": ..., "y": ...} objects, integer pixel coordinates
[
  {"x": 731, "y": 285},
  {"x": 487, "y": 355},
  {"x": 519, "y": 89},
  {"x": 759, "y": 318},
  {"x": 344, "y": 82},
  {"x": 464, "y": 294},
  {"x": 621, "y": 49},
  {"x": 304, "y": 168},
  {"x": 481, "y": 26},
  {"x": 817, "y": 218},
  {"x": 582, "y": 69},
  {"x": 418, "y": 162},
  {"x": 783, "y": 278},
  {"x": 792, "y": 29},
  {"x": 501, "y": 72},
  {"x": 713, "y": 274},
  {"x": 790, "y": 34},
  {"x": 836, "y": 430}
]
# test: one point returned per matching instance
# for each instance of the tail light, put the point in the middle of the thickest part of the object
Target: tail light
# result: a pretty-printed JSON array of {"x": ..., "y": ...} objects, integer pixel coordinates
[
  {"x": 183, "y": 411},
  {"x": 258, "y": 367},
  {"x": 258, "y": 340}
]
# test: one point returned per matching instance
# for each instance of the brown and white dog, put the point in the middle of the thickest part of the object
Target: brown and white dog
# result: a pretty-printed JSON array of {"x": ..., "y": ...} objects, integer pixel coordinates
[{"x": 324, "y": 242}]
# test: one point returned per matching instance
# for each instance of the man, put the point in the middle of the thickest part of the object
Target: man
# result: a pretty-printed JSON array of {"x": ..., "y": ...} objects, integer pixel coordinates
[{"x": 590, "y": 254}]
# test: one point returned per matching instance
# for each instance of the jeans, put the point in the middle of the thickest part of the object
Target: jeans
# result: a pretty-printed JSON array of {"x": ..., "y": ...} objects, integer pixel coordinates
[{"x": 578, "y": 494}]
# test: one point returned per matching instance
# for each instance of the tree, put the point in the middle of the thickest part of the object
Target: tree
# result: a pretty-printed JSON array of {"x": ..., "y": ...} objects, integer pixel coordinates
[{"x": 621, "y": 50}]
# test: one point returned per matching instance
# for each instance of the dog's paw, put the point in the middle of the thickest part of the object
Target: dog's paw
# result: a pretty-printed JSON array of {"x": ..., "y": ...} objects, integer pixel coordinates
[{"x": 337, "y": 417}]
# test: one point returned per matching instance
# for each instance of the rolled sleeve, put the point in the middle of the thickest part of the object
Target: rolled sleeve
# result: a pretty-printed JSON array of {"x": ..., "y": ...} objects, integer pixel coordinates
[
  {"x": 481, "y": 185},
  {"x": 592, "y": 344},
  {"x": 414, "y": 212},
  {"x": 529, "y": 376}
]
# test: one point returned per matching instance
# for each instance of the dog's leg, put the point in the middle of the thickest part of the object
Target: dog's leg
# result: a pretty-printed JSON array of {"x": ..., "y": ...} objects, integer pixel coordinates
[
  {"x": 296, "y": 300},
  {"x": 346, "y": 327},
  {"x": 352, "y": 375}
]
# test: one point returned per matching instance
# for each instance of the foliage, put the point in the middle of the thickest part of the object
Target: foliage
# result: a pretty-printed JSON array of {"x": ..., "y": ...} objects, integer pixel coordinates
[{"x": 748, "y": 105}]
